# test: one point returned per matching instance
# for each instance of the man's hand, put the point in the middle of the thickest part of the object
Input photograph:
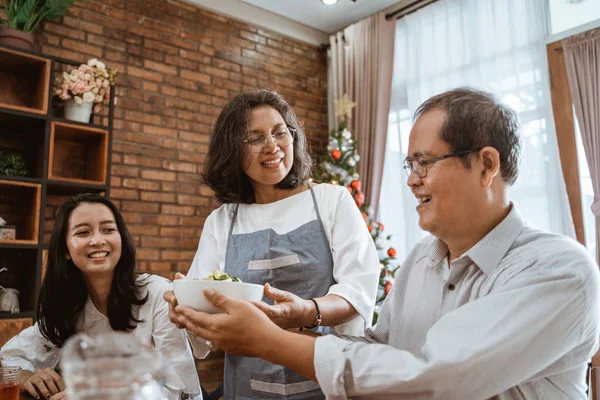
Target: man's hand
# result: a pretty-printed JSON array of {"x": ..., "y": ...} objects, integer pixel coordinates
[
  {"x": 170, "y": 298},
  {"x": 289, "y": 310},
  {"x": 43, "y": 381},
  {"x": 241, "y": 329}
]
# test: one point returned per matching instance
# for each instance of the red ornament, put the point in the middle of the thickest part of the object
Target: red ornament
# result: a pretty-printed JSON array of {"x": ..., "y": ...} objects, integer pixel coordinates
[
  {"x": 380, "y": 226},
  {"x": 370, "y": 227},
  {"x": 336, "y": 154},
  {"x": 355, "y": 184},
  {"x": 392, "y": 252},
  {"x": 387, "y": 287},
  {"x": 359, "y": 198},
  {"x": 364, "y": 215},
  {"x": 349, "y": 189}
]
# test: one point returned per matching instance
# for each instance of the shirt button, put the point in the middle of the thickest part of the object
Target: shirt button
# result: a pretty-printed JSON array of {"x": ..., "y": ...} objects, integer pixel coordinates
[{"x": 451, "y": 287}]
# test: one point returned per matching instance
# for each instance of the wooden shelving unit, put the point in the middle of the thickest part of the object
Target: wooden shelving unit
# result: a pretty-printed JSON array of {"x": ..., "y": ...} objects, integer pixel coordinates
[{"x": 63, "y": 158}]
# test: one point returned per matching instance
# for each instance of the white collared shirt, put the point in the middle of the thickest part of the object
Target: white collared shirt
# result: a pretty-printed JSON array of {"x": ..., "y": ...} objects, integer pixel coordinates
[{"x": 515, "y": 317}]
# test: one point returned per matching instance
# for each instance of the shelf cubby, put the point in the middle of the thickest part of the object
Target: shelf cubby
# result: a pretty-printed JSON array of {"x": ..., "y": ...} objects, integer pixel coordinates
[
  {"x": 20, "y": 204},
  {"x": 24, "y": 81},
  {"x": 21, "y": 267},
  {"x": 78, "y": 154},
  {"x": 24, "y": 137}
]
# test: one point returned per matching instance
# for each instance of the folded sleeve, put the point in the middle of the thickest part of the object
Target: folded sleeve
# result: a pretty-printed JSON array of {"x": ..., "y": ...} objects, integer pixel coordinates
[
  {"x": 30, "y": 350},
  {"x": 205, "y": 262},
  {"x": 206, "y": 259},
  {"x": 355, "y": 262},
  {"x": 171, "y": 342}
]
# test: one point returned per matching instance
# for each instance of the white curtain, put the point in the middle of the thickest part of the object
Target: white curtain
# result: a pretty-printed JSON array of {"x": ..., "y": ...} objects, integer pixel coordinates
[{"x": 494, "y": 45}]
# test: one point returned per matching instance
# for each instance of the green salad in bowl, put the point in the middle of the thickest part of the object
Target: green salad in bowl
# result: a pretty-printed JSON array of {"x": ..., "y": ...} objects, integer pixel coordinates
[{"x": 221, "y": 276}]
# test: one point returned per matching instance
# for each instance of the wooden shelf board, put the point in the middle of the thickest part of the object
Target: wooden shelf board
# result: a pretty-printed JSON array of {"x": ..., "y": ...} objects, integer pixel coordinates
[
  {"x": 20, "y": 183},
  {"x": 32, "y": 242},
  {"x": 12, "y": 244},
  {"x": 63, "y": 121},
  {"x": 56, "y": 186},
  {"x": 4, "y": 109},
  {"x": 25, "y": 314},
  {"x": 24, "y": 109},
  {"x": 24, "y": 179},
  {"x": 75, "y": 182},
  {"x": 80, "y": 127}
]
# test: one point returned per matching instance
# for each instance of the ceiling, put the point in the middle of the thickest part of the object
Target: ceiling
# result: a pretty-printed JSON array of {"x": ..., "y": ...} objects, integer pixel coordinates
[
  {"x": 309, "y": 21},
  {"x": 327, "y": 19}
]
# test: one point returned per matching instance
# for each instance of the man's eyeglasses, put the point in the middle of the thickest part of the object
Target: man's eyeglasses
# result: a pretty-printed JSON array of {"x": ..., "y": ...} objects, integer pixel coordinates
[
  {"x": 419, "y": 166},
  {"x": 283, "y": 137}
]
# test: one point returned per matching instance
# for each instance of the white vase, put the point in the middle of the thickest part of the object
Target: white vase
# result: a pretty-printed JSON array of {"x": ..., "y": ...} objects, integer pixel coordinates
[{"x": 78, "y": 112}]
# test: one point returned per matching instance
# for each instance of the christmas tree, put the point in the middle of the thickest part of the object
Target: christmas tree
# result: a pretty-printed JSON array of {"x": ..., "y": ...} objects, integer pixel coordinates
[{"x": 338, "y": 167}]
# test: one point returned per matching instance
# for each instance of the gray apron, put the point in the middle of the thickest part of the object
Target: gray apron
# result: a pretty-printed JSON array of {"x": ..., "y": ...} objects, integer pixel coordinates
[{"x": 300, "y": 262}]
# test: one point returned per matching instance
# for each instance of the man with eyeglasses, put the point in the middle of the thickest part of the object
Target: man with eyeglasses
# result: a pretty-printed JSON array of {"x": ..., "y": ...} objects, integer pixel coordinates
[{"x": 486, "y": 307}]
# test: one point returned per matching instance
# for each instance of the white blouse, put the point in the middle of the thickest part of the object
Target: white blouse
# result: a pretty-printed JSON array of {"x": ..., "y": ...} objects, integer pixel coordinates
[
  {"x": 355, "y": 261},
  {"x": 31, "y": 351}
]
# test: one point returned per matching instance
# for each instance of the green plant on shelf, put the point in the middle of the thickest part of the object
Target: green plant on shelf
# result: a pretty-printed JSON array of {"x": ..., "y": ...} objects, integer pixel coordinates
[
  {"x": 26, "y": 15},
  {"x": 12, "y": 164}
]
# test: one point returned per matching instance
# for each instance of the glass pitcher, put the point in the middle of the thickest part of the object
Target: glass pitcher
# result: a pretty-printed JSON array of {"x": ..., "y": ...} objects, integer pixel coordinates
[{"x": 112, "y": 366}]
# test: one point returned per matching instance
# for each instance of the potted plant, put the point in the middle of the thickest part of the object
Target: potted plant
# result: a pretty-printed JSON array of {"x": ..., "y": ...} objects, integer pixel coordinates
[
  {"x": 81, "y": 87},
  {"x": 12, "y": 164},
  {"x": 24, "y": 16}
]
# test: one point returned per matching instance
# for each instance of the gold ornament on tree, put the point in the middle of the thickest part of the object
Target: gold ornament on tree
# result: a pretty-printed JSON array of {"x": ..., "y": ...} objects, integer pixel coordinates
[{"x": 344, "y": 106}]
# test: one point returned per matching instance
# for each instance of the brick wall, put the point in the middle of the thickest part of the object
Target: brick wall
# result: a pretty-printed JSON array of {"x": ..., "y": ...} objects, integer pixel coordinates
[{"x": 178, "y": 65}]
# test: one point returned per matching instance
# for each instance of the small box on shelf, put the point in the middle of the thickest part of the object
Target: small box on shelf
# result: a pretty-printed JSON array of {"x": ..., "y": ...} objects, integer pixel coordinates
[
  {"x": 78, "y": 153},
  {"x": 20, "y": 206},
  {"x": 8, "y": 232},
  {"x": 24, "y": 81}
]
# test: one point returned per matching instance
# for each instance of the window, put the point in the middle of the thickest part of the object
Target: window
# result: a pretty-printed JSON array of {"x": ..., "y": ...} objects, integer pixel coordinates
[
  {"x": 569, "y": 14},
  {"x": 499, "y": 50}
]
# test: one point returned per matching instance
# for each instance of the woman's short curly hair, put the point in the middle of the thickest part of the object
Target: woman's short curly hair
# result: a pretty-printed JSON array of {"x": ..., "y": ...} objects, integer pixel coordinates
[{"x": 224, "y": 171}]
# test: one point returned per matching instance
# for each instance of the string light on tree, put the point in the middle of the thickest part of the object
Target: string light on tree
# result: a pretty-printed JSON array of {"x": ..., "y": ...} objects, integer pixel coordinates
[{"x": 338, "y": 166}]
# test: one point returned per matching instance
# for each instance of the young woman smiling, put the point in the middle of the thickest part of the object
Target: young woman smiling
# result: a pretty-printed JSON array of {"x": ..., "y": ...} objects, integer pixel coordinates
[{"x": 91, "y": 286}]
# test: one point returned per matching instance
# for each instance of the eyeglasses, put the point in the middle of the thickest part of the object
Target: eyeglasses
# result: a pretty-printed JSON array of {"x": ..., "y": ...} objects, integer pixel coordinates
[
  {"x": 419, "y": 166},
  {"x": 283, "y": 137}
]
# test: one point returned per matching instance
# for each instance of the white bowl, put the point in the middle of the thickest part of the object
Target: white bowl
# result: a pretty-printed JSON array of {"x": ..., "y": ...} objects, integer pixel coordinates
[{"x": 190, "y": 292}]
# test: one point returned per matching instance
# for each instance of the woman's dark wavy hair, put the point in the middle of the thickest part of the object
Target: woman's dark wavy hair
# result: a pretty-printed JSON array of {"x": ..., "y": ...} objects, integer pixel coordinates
[
  {"x": 64, "y": 293},
  {"x": 224, "y": 172}
]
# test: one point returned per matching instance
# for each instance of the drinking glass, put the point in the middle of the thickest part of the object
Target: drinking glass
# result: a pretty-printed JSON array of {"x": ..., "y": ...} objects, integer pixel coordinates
[
  {"x": 111, "y": 366},
  {"x": 9, "y": 383}
]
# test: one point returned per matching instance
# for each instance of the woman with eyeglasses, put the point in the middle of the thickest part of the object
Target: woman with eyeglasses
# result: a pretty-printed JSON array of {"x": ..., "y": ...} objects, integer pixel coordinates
[{"x": 306, "y": 243}]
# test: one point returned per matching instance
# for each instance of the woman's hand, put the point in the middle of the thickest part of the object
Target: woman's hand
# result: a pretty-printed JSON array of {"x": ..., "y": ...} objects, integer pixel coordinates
[
  {"x": 241, "y": 329},
  {"x": 43, "y": 381},
  {"x": 289, "y": 310},
  {"x": 59, "y": 396},
  {"x": 170, "y": 298}
]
